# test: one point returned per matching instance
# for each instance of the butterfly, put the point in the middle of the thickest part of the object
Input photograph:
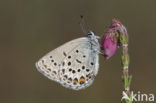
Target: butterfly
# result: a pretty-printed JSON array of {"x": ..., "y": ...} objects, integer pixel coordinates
[{"x": 74, "y": 64}]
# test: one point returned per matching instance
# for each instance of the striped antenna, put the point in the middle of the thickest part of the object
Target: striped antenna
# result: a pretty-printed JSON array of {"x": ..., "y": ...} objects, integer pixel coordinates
[{"x": 83, "y": 25}]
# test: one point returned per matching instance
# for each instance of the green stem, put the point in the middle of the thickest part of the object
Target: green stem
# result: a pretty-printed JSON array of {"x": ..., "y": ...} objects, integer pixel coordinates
[{"x": 125, "y": 66}]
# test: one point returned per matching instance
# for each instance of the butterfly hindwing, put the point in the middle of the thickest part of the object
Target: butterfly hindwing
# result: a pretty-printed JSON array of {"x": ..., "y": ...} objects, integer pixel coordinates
[{"x": 80, "y": 66}]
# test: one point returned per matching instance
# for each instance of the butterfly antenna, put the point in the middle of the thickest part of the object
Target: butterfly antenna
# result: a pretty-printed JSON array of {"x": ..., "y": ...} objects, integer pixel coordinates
[{"x": 83, "y": 25}]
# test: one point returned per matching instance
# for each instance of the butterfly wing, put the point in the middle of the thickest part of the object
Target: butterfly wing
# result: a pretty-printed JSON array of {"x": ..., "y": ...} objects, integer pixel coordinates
[
  {"x": 50, "y": 64},
  {"x": 74, "y": 64},
  {"x": 80, "y": 66}
]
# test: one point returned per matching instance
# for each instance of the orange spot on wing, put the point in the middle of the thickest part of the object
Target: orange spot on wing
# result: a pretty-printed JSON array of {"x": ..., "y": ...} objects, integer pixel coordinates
[{"x": 82, "y": 80}]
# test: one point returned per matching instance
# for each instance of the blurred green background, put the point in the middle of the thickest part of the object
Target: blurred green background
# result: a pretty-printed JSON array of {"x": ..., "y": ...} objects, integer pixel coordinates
[{"x": 31, "y": 28}]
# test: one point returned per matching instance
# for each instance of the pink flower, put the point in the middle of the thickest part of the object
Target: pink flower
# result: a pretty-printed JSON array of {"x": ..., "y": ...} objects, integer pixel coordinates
[
  {"x": 115, "y": 36},
  {"x": 109, "y": 44}
]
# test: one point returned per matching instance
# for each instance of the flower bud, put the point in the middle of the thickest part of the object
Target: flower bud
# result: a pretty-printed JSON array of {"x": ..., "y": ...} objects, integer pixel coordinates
[
  {"x": 109, "y": 44},
  {"x": 115, "y": 36}
]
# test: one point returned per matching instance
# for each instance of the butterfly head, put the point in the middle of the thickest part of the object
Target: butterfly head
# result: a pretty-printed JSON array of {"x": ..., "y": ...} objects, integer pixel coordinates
[{"x": 92, "y": 35}]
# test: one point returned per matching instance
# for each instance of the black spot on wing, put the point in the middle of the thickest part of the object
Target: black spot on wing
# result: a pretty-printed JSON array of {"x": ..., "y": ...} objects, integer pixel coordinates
[
  {"x": 70, "y": 79},
  {"x": 65, "y": 76},
  {"x": 70, "y": 69},
  {"x": 77, "y": 51},
  {"x": 42, "y": 61},
  {"x": 84, "y": 56},
  {"x": 75, "y": 81},
  {"x": 64, "y": 53},
  {"x": 55, "y": 63},
  {"x": 54, "y": 72},
  {"x": 78, "y": 61},
  {"x": 73, "y": 71},
  {"x": 49, "y": 69},
  {"x": 63, "y": 63},
  {"x": 78, "y": 70},
  {"x": 83, "y": 67},
  {"x": 69, "y": 57},
  {"x": 69, "y": 63},
  {"x": 87, "y": 70},
  {"x": 92, "y": 63},
  {"x": 63, "y": 71}
]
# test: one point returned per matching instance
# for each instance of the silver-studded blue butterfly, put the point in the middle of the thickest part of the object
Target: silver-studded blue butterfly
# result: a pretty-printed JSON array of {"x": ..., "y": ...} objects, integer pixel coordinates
[{"x": 74, "y": 64}]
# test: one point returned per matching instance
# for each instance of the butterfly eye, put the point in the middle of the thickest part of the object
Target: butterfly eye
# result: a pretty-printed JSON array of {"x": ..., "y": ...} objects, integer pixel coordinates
[{"x": 89, "y": 34}]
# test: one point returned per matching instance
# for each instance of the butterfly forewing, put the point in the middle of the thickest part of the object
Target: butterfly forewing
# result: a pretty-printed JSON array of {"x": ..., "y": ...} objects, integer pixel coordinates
[{"x": 50, "y": 64}]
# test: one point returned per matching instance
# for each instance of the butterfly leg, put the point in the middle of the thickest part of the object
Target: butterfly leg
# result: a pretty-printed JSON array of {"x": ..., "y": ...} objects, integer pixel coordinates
[
  {"x": 98, "y": 52},
  {"x": 101, "y": 53},
  {"x": 97, "y": 37}
]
